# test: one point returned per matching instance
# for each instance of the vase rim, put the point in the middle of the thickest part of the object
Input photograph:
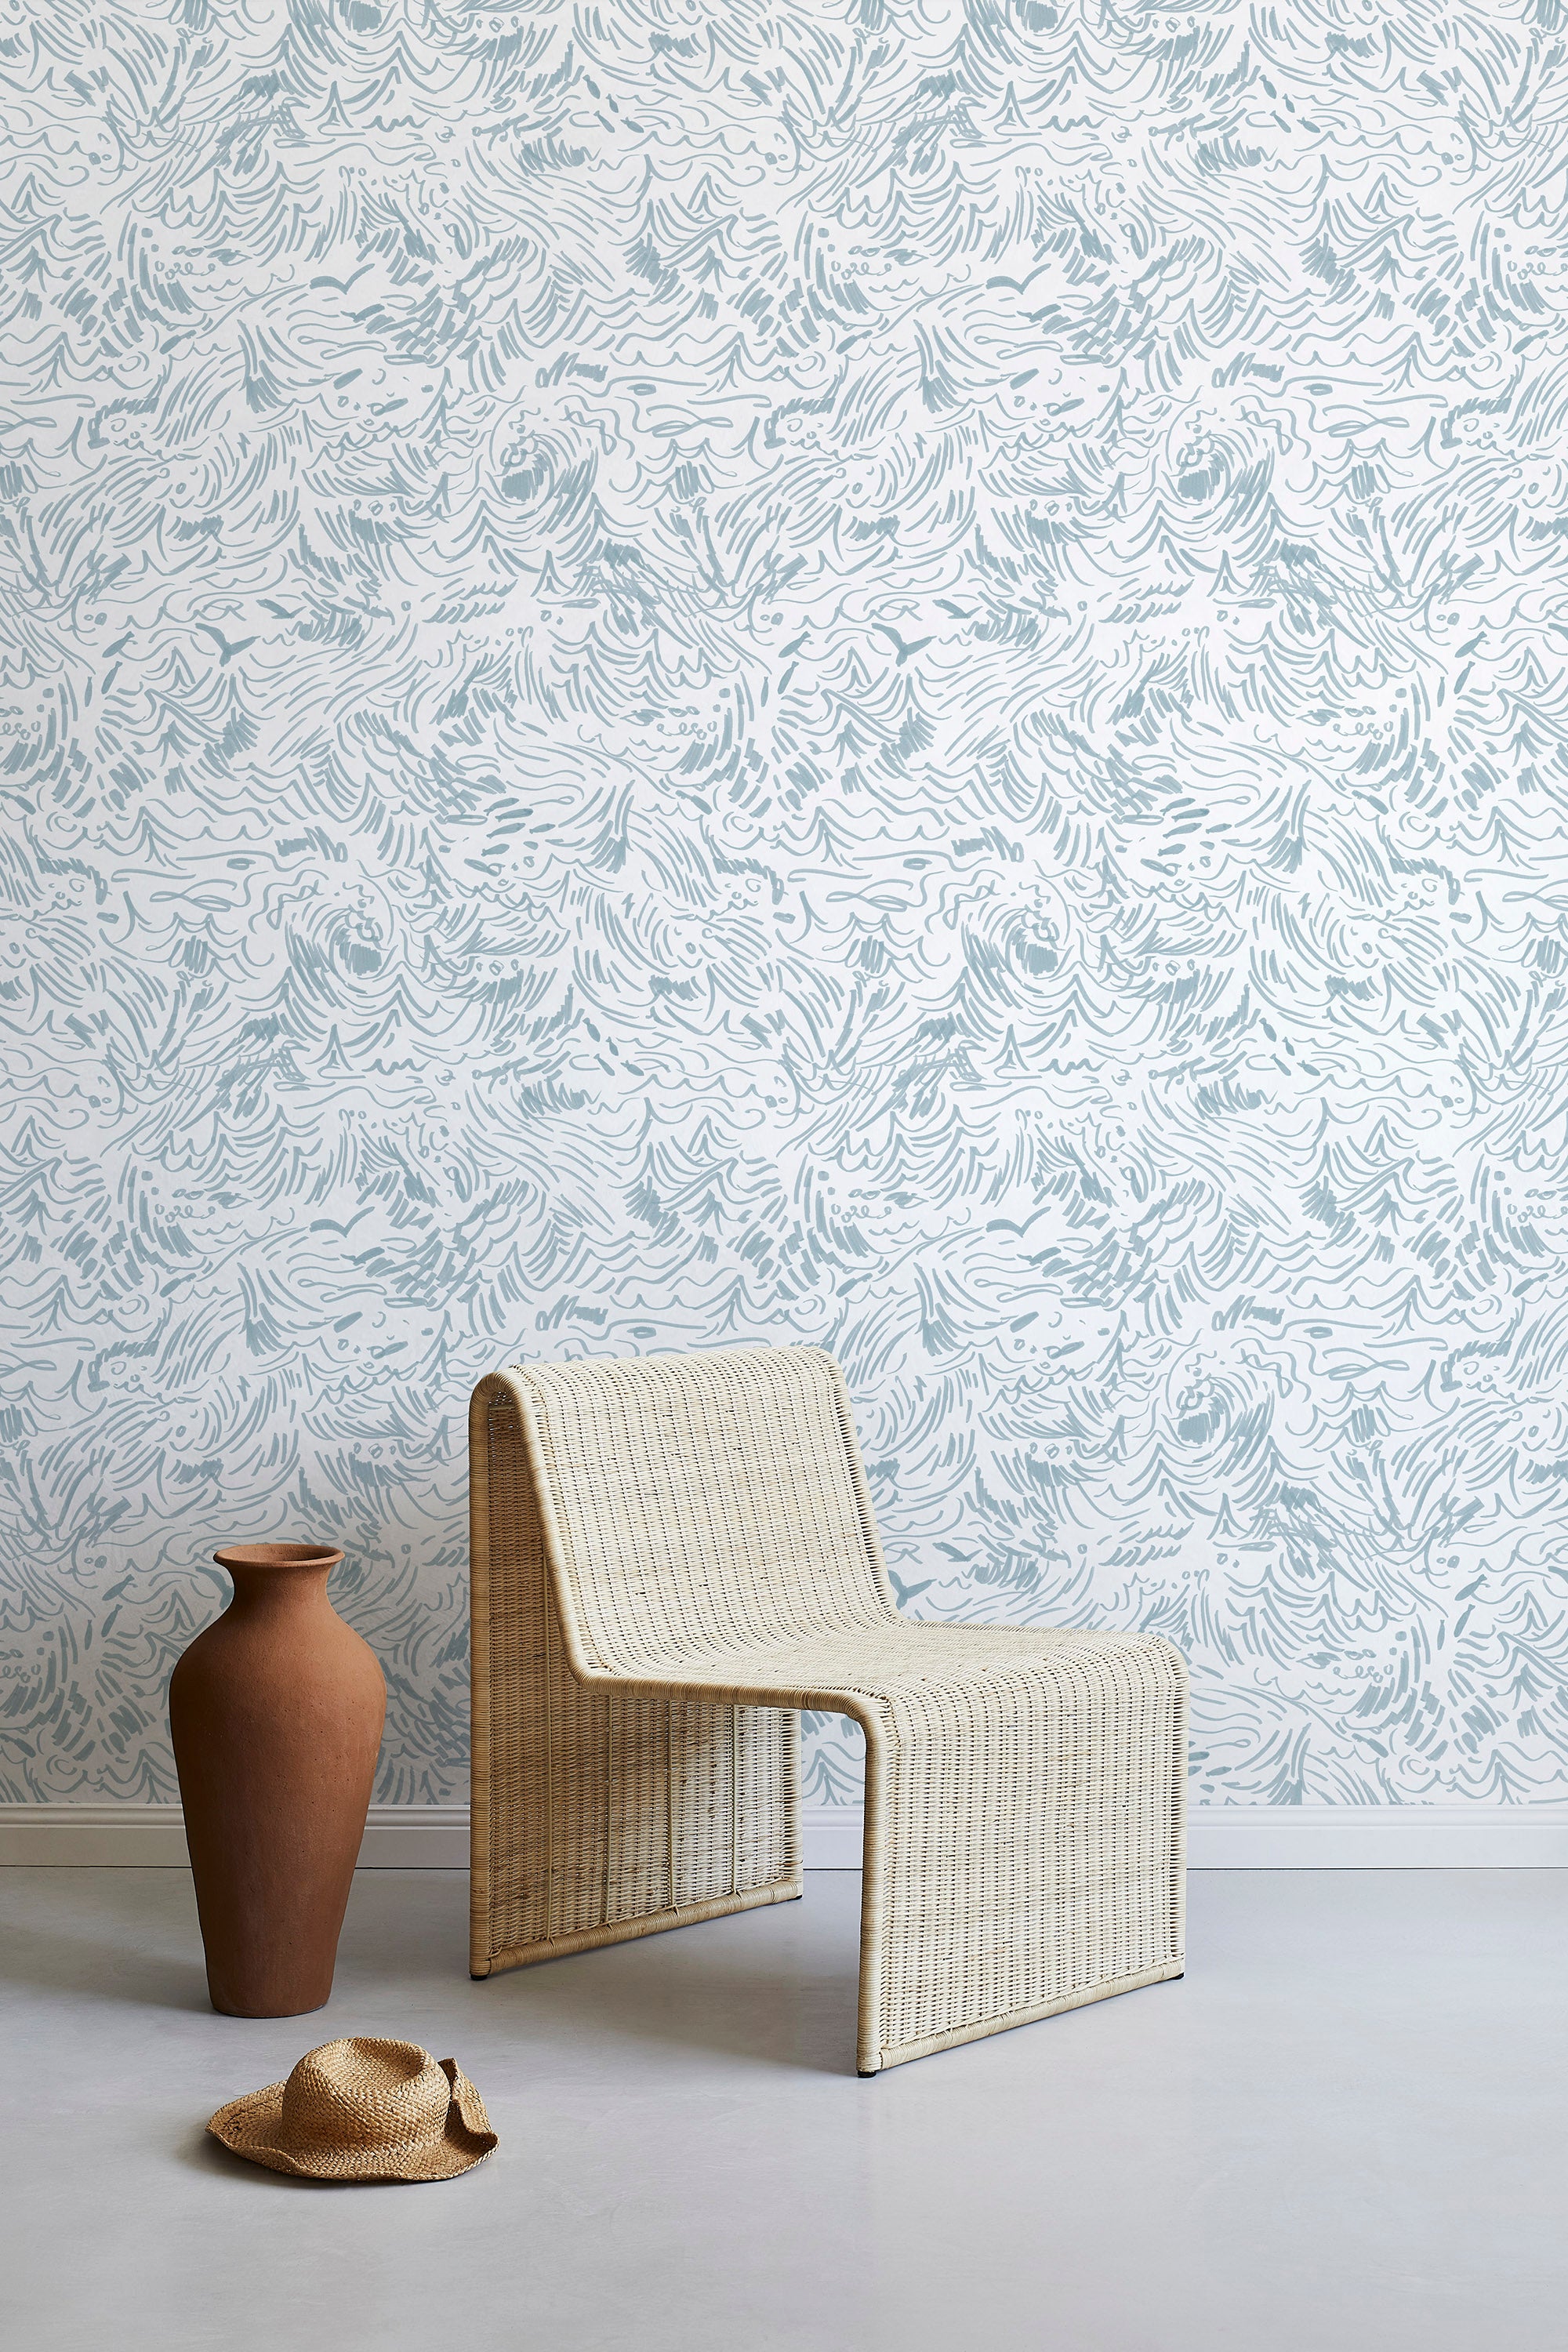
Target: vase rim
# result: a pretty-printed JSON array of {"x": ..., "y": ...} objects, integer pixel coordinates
[{"x": 279, "y": 1555}]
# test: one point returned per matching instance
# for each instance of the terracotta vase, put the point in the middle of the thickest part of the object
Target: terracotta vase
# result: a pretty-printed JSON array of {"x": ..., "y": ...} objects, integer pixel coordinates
[{"x": 276, "y": 1712}]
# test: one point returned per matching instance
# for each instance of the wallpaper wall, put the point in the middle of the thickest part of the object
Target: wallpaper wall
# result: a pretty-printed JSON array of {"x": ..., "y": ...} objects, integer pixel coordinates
[{"x": 893, "y": 674}]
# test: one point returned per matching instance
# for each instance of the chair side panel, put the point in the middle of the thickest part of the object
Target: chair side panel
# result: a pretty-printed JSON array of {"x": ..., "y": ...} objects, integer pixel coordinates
[
  {"x": 637, "y": 1764},
  {"x": 598, "y": 1810},
  {"x": 768, "y": 1795},
  {"x": 511, "y": 1763},
  {"x": 579, "y": 1767}
]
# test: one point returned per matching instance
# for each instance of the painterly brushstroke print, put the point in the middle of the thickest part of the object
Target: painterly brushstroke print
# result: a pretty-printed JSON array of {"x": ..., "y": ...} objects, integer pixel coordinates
[{"x": 888, "y": 674}]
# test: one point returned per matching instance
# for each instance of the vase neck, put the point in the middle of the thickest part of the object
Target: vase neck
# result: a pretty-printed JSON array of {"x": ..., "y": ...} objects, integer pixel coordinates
[
  {"x": 279, "y": 1588},
  {"x": 272, "y": 1577}
]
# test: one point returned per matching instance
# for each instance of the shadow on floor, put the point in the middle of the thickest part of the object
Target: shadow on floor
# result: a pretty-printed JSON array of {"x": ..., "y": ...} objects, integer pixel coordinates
[
  {"x": 726, "y": 1998},
  {"x": 777, "y": 1985},
  {"x": 99, "y": 1967}
]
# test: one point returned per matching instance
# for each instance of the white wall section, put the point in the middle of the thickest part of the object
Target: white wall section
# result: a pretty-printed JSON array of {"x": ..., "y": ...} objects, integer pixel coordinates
[{"x": 878, "y": 673}]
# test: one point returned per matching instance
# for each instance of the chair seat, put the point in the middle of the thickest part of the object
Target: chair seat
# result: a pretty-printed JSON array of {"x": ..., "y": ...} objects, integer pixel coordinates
[{"x": 891, "y": 1662}]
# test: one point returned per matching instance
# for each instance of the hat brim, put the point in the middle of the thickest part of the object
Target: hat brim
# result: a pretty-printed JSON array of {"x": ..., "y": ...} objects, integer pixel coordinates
[{"x": 249, "y": 2127}]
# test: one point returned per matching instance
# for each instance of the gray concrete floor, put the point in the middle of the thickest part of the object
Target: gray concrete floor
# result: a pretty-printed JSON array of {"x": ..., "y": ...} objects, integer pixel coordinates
[{"x": 1345, "y": 2128}]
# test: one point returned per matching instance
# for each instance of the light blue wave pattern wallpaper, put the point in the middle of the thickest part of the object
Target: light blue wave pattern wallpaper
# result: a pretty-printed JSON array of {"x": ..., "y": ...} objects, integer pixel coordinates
[{"x": 885, "y": 674}]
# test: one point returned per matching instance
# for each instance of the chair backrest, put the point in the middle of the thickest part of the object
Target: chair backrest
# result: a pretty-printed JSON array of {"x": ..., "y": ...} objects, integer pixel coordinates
[{"x": 700, "y": 1504}]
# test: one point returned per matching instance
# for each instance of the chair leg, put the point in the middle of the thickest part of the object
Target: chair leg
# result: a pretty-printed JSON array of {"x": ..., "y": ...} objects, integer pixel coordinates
[{"x": 1024, "y": 1848}]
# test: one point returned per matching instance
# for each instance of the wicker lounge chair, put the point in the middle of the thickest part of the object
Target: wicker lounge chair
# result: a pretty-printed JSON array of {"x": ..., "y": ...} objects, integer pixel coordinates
[{"x": 671, "y": 1556}]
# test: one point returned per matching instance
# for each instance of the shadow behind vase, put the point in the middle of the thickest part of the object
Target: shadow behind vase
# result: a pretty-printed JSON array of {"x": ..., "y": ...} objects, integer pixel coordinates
[{"x": 277, "y": 1712}]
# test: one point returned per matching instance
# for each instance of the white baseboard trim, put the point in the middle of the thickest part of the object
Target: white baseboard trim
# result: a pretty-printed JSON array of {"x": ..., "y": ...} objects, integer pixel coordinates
[
  {"x": 1378, "y": 1837},
  {"x": 1309, "y": 1837},
  {"x": 833, "y": 1836},
  {"x": 1220, "y": 1837},
  {"x": 152, "y": 1837}
]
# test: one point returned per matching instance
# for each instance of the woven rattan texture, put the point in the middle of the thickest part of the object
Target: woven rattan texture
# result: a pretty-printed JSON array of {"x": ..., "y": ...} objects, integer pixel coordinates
[
  {"x": 700, "y": 1527},
  {"x": 598, "y": 1811},
  {"x": 362, "y": 2109}
]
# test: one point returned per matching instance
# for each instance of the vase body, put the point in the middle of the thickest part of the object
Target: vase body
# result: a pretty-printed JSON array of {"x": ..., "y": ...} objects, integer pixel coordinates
[{"x": 276, "y": 1712}]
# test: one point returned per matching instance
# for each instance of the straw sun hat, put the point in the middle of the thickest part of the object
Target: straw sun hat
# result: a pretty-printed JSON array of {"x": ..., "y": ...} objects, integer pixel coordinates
[{"x": 363, "y": 2110}]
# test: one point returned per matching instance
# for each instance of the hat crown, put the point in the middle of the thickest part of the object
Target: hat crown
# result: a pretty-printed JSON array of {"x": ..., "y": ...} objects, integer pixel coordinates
[{"x": 364, "y": 2094}]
